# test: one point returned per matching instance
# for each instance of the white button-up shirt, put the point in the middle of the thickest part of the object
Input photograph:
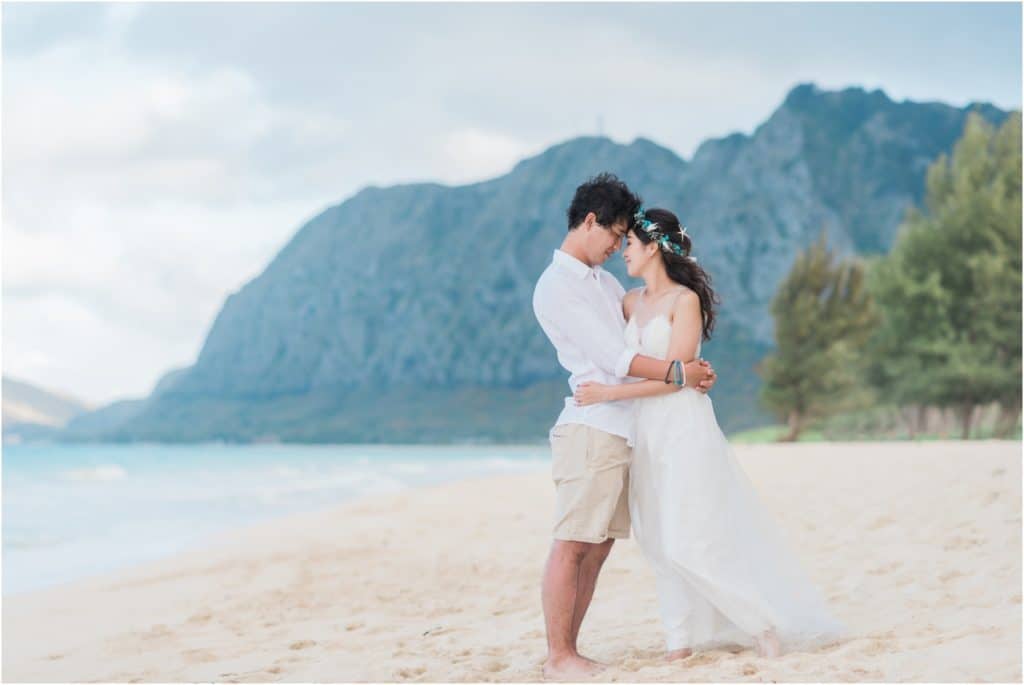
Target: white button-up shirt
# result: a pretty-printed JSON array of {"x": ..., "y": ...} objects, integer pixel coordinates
[{"x": 580, "y": 309}]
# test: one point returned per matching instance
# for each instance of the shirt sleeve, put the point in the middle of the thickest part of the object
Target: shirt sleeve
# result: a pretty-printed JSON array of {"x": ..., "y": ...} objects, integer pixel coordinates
[{"x": 568, "y": 319}]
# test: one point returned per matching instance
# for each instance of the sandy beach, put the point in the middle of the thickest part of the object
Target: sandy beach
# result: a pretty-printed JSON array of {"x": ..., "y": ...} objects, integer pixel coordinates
[{"x": 917, "y": 547}]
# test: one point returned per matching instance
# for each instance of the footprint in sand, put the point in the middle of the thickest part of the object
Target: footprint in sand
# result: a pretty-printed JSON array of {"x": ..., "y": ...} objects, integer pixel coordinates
[
  {"x": 950, "y": 575},
  {"x": 886, "y": 568},
  {"x": 354, "y": 626},
  {"x": 302, "y": 644},
  {"x": 407, "y": 673},
  {"x": 876, "y": 647},
  {"x": 629, "y": 665},
  {"x": 881, "y": 523},
  {"x": 198, "y": 656},
  {"x": 960, "y": 542},
  {"x": 701, "y": 659},
  {"x": 749, "y": 669},
  {"x": 864, "y": 674},
  {"x": 638, "y": 659}
]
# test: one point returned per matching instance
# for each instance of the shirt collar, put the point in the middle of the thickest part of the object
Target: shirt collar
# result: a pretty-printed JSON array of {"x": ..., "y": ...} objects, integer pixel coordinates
[{"x": 574, "y": 265}]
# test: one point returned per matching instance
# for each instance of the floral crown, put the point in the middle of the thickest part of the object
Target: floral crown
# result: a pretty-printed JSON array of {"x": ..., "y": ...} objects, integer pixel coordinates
[{"x": 652, "y": 229}]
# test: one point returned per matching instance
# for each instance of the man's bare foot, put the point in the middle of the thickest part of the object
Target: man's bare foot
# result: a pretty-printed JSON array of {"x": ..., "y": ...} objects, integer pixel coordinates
[
  {"x": 571, "y": 667},
  {"x": 768, "y": 645},
  {"x": 676, "y": 654}
]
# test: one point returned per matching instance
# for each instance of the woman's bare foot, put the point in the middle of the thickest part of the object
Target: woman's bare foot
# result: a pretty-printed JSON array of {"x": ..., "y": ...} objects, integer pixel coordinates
[
  {"x": 571, "y": 667},
  {"x": 768, "y": 644},
  {"x": 676, "y": 654}
]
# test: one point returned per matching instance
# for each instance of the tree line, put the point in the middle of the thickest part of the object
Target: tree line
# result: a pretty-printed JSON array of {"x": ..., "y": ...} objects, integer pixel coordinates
[{"x": 936, "y": 323}]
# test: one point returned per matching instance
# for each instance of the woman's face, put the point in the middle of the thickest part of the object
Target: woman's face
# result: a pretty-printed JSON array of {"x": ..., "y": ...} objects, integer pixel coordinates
[{"x": 637, "y": 254}]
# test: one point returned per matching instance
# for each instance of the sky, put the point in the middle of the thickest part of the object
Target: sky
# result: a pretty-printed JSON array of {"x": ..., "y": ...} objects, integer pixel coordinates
[{"x": 157, "y": 156}]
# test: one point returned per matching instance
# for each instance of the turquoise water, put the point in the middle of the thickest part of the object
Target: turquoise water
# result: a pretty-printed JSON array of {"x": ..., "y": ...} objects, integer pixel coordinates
[{"x": 71, "y": 511}]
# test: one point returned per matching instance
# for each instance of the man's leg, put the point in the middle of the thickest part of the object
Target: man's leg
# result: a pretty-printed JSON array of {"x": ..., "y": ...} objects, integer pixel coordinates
[
  {"x": 590, "y": 567},
  {"x": 559, "y": 597}
]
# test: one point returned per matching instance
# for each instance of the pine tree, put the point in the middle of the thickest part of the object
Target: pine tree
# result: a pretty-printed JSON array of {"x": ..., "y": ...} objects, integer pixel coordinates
[
  {"x": 949, "y": 293},
  {"x": 823, "y": 315}
]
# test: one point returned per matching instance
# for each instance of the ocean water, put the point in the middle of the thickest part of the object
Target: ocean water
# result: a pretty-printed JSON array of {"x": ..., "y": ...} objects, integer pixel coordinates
[{"x": 72, "y": 511}]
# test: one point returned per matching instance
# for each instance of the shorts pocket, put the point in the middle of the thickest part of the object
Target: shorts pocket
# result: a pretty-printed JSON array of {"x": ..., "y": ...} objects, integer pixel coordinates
[
  {"x": 562, "y": 430},
  {"x": 606, "y": 451},
  {"x": 568, "y": 453}
]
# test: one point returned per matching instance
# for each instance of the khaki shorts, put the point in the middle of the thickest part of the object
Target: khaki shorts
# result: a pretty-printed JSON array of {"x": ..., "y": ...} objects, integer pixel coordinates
[{"x": 591, "y": 472}]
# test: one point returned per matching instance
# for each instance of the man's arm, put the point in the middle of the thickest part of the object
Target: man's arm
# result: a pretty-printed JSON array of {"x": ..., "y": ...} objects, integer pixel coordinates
[
  {"x": 570, "y": 318},
  {"x": 605, "y": 348}
]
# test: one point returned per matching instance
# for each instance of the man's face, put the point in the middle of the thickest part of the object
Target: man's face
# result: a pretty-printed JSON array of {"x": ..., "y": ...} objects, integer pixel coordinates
[{"x": 606, "y": 241}]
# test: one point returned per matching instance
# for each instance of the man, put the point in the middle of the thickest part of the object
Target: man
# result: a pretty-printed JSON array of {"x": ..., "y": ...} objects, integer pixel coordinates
[{"x": 579, "y": 306}]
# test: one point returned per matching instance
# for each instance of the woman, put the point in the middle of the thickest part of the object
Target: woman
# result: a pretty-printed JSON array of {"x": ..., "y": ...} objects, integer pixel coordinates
[{"x": 723, "y": 574}]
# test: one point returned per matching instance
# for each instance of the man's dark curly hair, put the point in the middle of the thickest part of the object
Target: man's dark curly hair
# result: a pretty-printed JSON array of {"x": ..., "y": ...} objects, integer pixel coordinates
[{"x": 607, "y": 197}]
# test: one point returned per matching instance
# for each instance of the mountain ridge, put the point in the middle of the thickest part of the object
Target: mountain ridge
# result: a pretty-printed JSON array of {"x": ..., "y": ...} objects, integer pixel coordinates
[{"x": 426, "y": 288}]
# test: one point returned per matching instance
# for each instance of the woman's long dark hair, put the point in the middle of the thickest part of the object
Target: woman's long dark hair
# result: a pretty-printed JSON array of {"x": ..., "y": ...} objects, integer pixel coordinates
[{"x": 681, "y": 268}]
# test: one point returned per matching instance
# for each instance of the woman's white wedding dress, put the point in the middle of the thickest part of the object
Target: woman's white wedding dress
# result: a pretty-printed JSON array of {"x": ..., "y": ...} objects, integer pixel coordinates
[{"x": 724, "y": 575}]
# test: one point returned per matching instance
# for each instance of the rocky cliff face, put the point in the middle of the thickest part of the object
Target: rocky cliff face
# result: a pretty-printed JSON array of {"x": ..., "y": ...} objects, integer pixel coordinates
[
  {"x": 847, "y": 162},
  {"x": 412, "y": 298}
]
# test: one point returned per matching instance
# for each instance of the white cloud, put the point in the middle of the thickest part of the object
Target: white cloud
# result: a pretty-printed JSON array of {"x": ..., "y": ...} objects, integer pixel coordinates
[
  {"x": 82, "y": 254},
  {"x": 136, "y": 198},
  {"x": 65, "y": 344},
  {"x": 472, "y": 154},
  {"x": 132, "y": 131},
  {"x": 105, "y": 306}
]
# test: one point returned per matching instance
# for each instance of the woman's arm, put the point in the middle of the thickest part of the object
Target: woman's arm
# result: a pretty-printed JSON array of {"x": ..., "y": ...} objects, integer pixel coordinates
[
  {"x": 699, "y": 373},
  {"x": 686, "y": 332},
  {"x": 686, "y": 327},
  {"x": 593, "y": 393}
]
